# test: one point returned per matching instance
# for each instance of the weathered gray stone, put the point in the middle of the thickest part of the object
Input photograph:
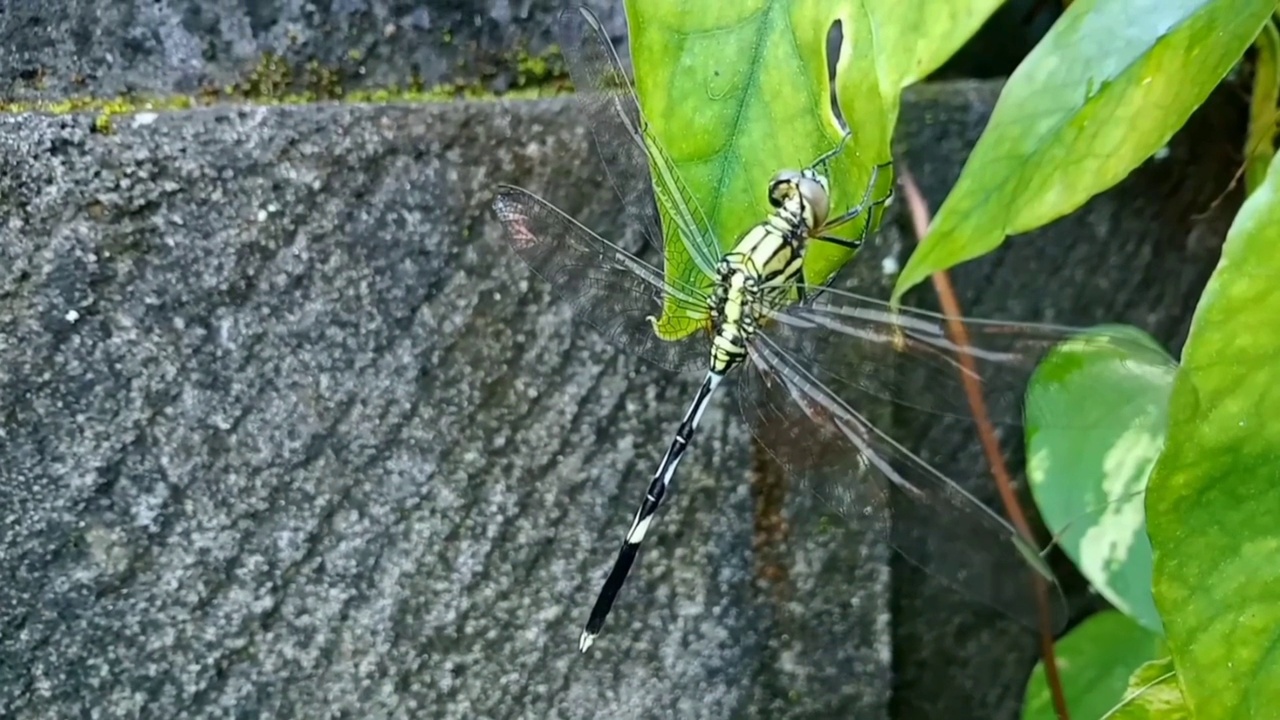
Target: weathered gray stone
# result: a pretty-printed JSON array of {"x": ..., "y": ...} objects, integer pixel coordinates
[
  {"x": 288, "y": 431},
  {"x": 106, "y": 48}
]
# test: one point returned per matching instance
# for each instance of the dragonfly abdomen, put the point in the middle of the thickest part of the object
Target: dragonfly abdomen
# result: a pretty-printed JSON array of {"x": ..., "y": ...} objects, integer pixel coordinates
[{"x": 733, "y": 326}]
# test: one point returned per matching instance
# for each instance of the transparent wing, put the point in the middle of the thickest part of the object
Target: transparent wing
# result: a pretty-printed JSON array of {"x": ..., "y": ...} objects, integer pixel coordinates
[
  {"x": 830, "y": 447},
  {"x": 611, "y": 110},
  {"x": 609, "y": 288},
  {"x": 865, "y": 351}
]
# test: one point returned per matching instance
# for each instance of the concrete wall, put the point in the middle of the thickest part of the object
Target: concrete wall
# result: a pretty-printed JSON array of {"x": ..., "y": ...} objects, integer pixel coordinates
[{"x": 288, "y": 431}]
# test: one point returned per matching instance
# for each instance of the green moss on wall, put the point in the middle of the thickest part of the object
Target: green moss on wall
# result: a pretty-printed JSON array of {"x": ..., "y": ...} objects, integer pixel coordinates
[{"x": 275, "y": 81}]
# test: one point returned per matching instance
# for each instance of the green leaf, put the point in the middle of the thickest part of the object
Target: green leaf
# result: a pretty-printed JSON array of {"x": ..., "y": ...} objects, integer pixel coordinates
[
  {"x": 912, "y": 39},
  {"x": 736, "y": 91},
  {"x": 1213, "y": 502},
  {"x": 1260, "y": 147},
  {"x": 891, "y": 44},
  {"x": 1104, "y": 90},
  {"x": 1096, "y": 414},
  {"x": 1152, "y": 694},
  {"x": 1095, "y": 661}
]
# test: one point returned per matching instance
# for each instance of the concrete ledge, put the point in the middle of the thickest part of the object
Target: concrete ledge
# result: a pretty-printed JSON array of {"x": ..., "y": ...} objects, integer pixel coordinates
[{"x": 105, "y": 48}]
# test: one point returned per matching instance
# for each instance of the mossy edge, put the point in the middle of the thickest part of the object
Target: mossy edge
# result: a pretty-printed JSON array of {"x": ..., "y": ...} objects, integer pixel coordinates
[{"x": 274, "y": 81}]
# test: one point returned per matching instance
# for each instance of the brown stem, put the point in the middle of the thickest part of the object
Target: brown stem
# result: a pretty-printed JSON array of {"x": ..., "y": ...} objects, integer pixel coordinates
[{"x": 920, "y": 219}]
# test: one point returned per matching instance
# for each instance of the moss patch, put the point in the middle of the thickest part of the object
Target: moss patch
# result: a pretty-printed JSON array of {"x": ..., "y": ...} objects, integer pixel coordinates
[{"x": 275, "y": 81}]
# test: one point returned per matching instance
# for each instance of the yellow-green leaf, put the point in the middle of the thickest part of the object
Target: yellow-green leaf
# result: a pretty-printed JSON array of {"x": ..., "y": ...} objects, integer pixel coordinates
[
  {"x": 1106, "y": 88},
  {"x": 1213, "y": 500}
]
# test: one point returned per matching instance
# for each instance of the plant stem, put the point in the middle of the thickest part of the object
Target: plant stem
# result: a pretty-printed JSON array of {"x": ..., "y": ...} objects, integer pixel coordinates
[{"x": 990, "y": 444}]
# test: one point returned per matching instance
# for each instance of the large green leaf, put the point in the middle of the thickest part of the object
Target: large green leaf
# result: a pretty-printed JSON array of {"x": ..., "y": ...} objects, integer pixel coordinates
[
  {"x": 1095, "y": 660},
  {"x": 1213, "y": 502},
  {"x": 736, "y": 91},
  {"x": 1153, "y": 694},
  {"x": 1104, "y": 90},
  {"x": 1096, "y": 418}
]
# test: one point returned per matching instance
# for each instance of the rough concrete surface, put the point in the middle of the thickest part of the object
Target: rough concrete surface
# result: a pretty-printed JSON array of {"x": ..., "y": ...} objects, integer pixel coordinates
[
  {"x": 107, "y": 47},
  {"x": 288, "y": 431}
]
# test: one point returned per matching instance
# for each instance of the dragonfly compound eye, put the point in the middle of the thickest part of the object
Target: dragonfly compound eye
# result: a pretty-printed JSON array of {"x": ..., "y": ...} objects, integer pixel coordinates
[{"x": 816, "y": 198}]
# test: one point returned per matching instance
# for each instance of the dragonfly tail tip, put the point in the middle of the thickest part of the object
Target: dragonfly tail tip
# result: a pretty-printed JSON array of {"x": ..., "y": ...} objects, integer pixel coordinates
[{"x": 585, "y": 641}]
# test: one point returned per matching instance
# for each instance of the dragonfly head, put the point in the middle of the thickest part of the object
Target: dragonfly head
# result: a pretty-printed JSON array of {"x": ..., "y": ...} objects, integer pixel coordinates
[{"x": 806, "y": 187}]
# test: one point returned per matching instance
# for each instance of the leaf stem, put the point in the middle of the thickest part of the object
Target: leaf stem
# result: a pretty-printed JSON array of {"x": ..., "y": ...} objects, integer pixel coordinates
[
  {"x": 1260, "y": 147},
  {"x": 990, "y": 444}
]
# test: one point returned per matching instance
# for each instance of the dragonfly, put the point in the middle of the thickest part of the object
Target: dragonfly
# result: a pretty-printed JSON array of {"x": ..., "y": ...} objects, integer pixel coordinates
[{"x": 814, "y": 360}]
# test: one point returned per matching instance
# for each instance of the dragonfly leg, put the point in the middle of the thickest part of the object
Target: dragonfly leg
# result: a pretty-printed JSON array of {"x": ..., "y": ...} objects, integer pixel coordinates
[
  {"x": 850, "y": 244},
  {"x": 863, "y": 204},
  {"x": 824, "y": 160}
]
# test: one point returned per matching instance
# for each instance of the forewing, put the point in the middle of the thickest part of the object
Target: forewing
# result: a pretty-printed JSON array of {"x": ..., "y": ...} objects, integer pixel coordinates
[
  {"x": 831, "y": 448},
  {"x": 609, "y": 106},
  {"x": 609, "y": 288}
]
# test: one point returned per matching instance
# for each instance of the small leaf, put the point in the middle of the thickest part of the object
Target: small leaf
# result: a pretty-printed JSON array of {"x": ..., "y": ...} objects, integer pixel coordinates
[
  {"x": 1106, "y": 88},
  {"x": 1096, "y": 417},
  {"x": 735, "y": 92},
  {"x": 1152, "y": 694},
  {"x": 1213, "y": 501},
  {"x": 1095, "y": 661}
]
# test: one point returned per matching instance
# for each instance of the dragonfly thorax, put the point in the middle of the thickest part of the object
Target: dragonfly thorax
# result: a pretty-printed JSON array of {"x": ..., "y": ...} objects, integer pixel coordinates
[{"x": 758, "y": 275}]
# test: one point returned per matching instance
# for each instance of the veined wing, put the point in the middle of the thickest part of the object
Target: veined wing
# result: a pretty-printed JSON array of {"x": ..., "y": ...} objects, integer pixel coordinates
[
  {"x": 865, "y": 351},
  {"x": 608, "y": 287},
  {"x": 628, "y": 149},
  {"x": 831, "y": 448}
]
